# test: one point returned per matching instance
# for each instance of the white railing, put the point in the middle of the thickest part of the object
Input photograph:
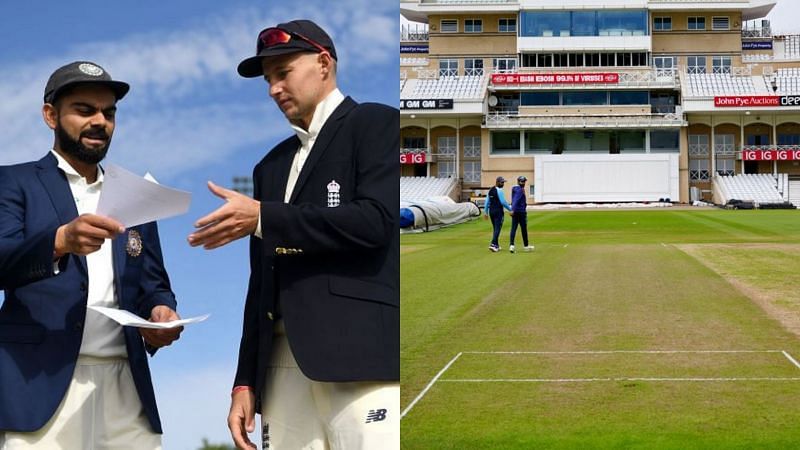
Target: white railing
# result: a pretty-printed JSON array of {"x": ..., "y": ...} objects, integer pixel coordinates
[
  {"x": 724, "y": 149},
  {"x": 448, "y": 72},
  {"x": 473, "y": 72},
  {"x": 699, "y": 176},
  {"x": 414, "y": 33},
  {"x": 472, "y": 152},
  {"x": 425, "y": 74},
  {"x": 505, "y": 120},
  {"x": 403, "y": 74},
  {"x": 698, "y": 149}
]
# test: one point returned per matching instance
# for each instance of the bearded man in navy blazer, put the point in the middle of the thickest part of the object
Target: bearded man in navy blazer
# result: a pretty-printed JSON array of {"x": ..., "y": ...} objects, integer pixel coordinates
[
  {"x": 71, "y": 378},
  {"x": 320, "y": 351}
]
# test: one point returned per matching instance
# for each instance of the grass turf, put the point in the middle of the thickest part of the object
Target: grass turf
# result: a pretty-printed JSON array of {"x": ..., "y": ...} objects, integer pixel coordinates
[{"x": 602, "y": 280}]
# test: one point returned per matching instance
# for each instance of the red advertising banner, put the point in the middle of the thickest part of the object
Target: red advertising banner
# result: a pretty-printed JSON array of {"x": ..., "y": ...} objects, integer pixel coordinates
[
  {"x": 747, "y": 101},
  {"x": 555, "y": 78},
  {"x": 412, "y": 158},
  {"x": 771, "y": 155}
]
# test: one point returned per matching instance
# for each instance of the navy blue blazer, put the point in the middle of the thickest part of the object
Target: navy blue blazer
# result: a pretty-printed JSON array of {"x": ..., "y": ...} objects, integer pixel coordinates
[
  {"x": 42, "y": 317},
  {"x": 329, "y": 260}
]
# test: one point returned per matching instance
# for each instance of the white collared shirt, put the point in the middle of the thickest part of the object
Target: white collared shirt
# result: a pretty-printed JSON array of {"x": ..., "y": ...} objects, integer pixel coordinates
[
  {"x": 307, "y": 138},
  {"x": 102, "y": 337}
]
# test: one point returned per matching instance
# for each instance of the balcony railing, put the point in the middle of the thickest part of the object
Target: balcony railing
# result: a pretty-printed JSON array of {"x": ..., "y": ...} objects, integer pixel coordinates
[
  {"x": 513, "y": 121},
  {"x": 698, "y": 150},
  {"x": 414, "y": 33},
  {"x": 724, "y": 150},
  {"x": 465, "y": 2}
]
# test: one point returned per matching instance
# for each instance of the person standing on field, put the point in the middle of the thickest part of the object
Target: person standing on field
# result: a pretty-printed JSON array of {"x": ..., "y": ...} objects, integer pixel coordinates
[{"x": 519, "y": 214}]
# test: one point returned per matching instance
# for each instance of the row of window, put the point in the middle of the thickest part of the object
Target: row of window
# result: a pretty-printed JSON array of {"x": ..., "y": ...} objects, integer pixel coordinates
[
  {"x": 695, "y": 64},
  {"x": 505, "y": 25},
  {"x": 699, "y": 143},
  {"x": 692, "y": 23},
  {"x": 583, "y": 23},
  {"x": 616, "y": 59},
  {"x": 557, "y": 142},
  {"x": 474, "y": 66},
  {"x": 584, "y": 98}
]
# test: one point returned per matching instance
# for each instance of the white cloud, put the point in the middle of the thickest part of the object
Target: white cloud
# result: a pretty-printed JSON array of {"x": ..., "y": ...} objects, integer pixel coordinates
[{"x": 187, "y": 108}]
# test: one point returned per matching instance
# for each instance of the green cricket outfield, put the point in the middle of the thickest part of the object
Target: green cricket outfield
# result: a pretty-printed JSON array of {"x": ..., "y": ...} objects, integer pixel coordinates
[{"x": 634, "y": 329}]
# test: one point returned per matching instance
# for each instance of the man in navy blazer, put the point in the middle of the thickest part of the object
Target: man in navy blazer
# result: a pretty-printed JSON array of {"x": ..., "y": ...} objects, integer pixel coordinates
[
  {"x": 319, "y": 356},
  {"x": 70, "y": 377}
]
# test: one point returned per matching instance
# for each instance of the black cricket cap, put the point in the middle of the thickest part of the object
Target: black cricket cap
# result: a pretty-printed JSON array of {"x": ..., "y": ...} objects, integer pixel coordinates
[
  {"x": 251, "y": 67},
  {"x": 81, "y": 72}
]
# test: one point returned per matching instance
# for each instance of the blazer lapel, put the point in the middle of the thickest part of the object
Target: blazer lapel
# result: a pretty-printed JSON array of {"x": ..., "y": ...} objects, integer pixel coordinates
[
  {"x": 326, "y": 135},
  {"x": 57, "y": 188}
]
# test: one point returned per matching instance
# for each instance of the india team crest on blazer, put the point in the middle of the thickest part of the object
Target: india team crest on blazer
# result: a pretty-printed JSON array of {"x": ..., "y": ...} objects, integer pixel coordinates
[
  {"x": 333, "y": 194},
  {"x": 134, "y": 245}
]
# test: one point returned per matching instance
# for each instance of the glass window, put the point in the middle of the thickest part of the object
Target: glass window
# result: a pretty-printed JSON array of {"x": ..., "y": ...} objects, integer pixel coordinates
[
  {"x": 698, "y": 145},
  {"x": 607, "y": 60},
  {"x": 448, "y": 67},
  {"x": 546, "y": 23},
  {"x": 539, "y": 99},
  {"x": 560, "y": 60},
  {"x": 544, "y": 60},
  {"x": 540, "y": 142},
  {"x": 449, "y": 26},
  {"x": 631, "y": 141},
  {"x": 664, "y": 141},
  {"x": 576, "y": 60},
  {"x": 662, "y": 23},
  {"x": 583, "y": 24},
  {"x": 725, "y": 166},
  {"x": 721, "y": 64},
  {"x": 697, "y": 23},
  {"x": 591, "y": 59},
  {"x": 505, "y": 142},
  {"x": 723, "y": 143},
  {"x": 622, "y": 23},
  {"x": 585, "y": 98},
  {"x": 446, "y": 145},
  {"x": 507, "y": 25},
  {"x": 507, "y": 102},
  {"x": 789, "y": 139},
  {"x": 698, "y": 170},
  {"x": 414, "y": 142},
  {"x": 473, "y": 67},
  {"x": 639, "y": 59},
  {"x": 472, "y": 146},
  {"x": 473, "y": 25},
  {"x": 696, "y": 64},
  {"x": 630, "y": 98},
  {"x": 504, "y": 64},
  {"x": 472, "y": 171},
  {"x": 720, "y": 23},
  {"x": 664, "y": 63},
  {"x": 446, "y": 168}
]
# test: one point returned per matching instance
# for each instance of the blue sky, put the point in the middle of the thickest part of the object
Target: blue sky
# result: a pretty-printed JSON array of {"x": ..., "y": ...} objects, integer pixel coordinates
[{"x": 188, "y": 118}]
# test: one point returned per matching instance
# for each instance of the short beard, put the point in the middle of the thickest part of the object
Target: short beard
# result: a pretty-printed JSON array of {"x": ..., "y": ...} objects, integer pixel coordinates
[{"x": 76, "y": 149}]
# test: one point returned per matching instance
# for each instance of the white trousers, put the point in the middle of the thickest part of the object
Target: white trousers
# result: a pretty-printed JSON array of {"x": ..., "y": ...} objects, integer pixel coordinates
[
  {"x": 302, "y": 414},
  {"x": 101, "y": 411}
]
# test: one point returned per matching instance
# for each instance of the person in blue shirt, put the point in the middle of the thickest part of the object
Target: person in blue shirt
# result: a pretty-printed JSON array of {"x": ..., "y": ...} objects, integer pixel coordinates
[
  {"x": 493, "y": 208},
  {"x": 519, "y": 214}
]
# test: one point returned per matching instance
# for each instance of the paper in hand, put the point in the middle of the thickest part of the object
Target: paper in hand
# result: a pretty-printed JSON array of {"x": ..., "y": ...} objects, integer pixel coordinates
[
  {"x": 133, "y": 200},
  {"x": 127, "y": 318}
]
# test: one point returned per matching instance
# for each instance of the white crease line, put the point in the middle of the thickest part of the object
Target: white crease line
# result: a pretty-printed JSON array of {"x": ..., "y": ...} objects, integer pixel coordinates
[
  {"x": 789, "y": 357},
  {"x": 589, "y": 380},
  {"x": 430, "y": 385},
  {"x": 606, "y": 352}
]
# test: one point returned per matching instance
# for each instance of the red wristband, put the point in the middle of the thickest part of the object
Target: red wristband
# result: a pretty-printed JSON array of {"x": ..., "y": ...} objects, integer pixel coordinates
[{"x": 240, "y": 388}]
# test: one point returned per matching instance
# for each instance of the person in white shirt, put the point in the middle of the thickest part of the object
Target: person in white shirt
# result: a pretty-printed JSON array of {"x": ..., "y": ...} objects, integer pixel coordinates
[{"x": 69, "y": 377}]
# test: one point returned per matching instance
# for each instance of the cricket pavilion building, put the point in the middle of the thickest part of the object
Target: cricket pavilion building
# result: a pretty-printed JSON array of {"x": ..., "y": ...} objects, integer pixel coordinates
[{"x": 602, "y": 100}]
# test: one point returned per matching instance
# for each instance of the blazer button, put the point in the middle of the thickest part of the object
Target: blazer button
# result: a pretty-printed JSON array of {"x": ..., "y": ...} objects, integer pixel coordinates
[{"x": 270, "y": 316}]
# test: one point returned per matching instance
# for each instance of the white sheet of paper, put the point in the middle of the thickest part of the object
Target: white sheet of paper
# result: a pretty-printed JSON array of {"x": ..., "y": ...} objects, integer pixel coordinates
[
  {"x": 127, "y": 318},
  {"x": 134, "y": 200}
]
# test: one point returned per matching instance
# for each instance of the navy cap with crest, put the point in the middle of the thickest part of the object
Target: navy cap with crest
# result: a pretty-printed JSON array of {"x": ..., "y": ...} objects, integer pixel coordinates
[
  {"x": 303, "y": 36},
  {"x": 81, "y": 72},
  {"x": 500, "y": 180}
]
